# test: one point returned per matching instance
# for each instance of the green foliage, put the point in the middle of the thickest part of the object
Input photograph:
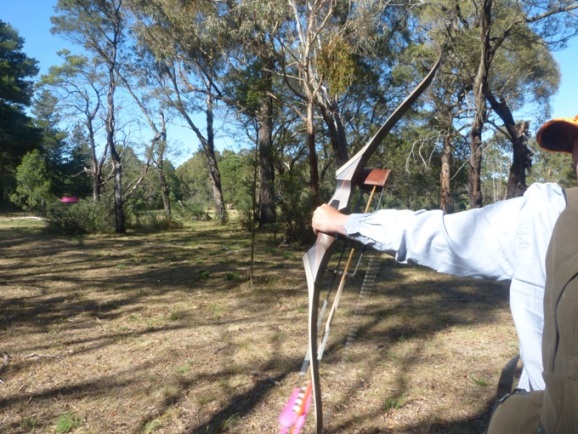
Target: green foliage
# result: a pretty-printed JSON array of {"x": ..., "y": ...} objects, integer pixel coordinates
[
  {"x": 415, "y": 164},
  {"x": 337, "y": 64},
  {"x": 248, "y": 86},
  {"x": 67, "y": 422},
  {"x": 193, "y": 176},
  {"x": 237, "y": 178},
  {"x": 552, "y": 167},
  {"x": 64, "y": 156},
  {"x": 295, "y": 203},
  {"x": 153, "y": 221},
  {"x": 33, "y": 186},
  {"x": 190, "y": 210},
  {"x": 17, "y": 134},
  {"x": 15, "y": 68},
  {"x": 84, "y": 217},
  {"x": 236, "y": 182}
]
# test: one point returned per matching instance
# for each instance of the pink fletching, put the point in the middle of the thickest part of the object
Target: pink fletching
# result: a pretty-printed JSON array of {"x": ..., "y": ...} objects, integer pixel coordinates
[
  {"x": 295, "y": 411},
  {"x": 288, "y": 417},
  {"x": 300, "y": 423}
]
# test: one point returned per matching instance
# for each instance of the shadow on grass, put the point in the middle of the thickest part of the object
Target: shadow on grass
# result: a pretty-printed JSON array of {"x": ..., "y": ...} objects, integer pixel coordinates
[{"x": 109, "y": 277}]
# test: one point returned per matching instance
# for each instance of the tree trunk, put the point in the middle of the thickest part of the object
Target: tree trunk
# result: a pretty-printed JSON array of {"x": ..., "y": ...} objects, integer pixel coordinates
[
  {"x": 207, "y": 143},
  {"x": 118, "y": 202},
  {"x": 214, "y": 174},
  {"x": 161, "y": 148},
  {"x": 480, "y": 91},
  {"x": 447, "y": 202},
  {"x": 165, "y": 190},
  {"x": 117, "y": 164},
  {"x": 335, "y": 128},
  {"x": 313, "y": 165},
  {"x": 95, "y": 170},
  {"x": 475, "y": 166},
  {"x": 521, "y": 154},
  {"x": 96, "y": 178},
  {"x": 521, "y": 161},
  {"x": 164, "y": 186},
  {"x": 266, "y": 154}
]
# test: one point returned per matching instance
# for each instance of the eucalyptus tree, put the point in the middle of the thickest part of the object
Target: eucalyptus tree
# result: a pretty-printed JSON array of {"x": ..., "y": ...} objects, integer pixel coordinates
[
  {"x": 99, "y": 27},
  {"x": 500, "y": 54},
  {"x": 526, "y": 39},
  {"x": 253, "y": 89},
  {"x": 193, "y": 176},
  {"x": 524, "y": 74},
  {"x": 79, "y": 87},
  {"x": 330, "y": 50},
  {"x": 447, "y": 98},
  {"x": 300, "y": 42},
  {"x": 519, "y": 32},
  {"x": 140, "y": 78},
  {"x": 184, "y": 38},
  {"x": 33, "y": 184},
  {"x": 552, "y": 167}
]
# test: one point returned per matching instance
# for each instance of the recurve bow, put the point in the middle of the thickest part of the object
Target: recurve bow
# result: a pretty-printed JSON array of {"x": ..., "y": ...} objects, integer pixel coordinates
[{"x": 317, "y": 257}]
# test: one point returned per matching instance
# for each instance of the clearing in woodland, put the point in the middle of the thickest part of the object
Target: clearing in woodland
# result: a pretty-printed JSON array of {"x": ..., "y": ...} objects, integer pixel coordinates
[{"x": 166, "y": 333}]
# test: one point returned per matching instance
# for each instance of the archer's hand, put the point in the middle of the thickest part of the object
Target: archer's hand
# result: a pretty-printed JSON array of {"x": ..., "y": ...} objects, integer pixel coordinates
[{"x": 328, "y": 220}]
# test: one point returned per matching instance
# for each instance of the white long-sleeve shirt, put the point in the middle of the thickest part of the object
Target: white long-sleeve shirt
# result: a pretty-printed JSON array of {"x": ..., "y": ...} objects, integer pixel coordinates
[{"x": 506, "y": 240}]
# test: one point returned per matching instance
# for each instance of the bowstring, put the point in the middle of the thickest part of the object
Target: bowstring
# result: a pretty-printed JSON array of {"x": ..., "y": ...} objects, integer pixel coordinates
[{"x": 371, "y": 272}]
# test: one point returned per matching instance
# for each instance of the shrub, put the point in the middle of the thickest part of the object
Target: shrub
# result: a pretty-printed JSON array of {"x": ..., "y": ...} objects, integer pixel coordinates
[
  {"x": 190, "y": 210},
  {"x": 154, "y": 221},
  {"x": 84, "y": 217}
]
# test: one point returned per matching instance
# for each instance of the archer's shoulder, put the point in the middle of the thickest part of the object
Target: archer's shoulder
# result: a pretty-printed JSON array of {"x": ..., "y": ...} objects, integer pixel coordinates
[
  {"x": 548, "y": 194},
  {"x": 545, "y": 189}
]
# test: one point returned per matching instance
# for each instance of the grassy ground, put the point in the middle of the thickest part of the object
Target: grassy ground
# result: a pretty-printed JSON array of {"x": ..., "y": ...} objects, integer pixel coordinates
[{"x": 167, "y": 333}]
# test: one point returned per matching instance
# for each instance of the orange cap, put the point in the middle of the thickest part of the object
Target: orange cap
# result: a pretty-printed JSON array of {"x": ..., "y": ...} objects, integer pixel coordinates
[{"x": 558, "y": 134}]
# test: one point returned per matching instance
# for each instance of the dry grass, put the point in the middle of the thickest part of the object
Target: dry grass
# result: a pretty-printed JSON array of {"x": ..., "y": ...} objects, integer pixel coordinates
[{"x": 164, "y": 333}]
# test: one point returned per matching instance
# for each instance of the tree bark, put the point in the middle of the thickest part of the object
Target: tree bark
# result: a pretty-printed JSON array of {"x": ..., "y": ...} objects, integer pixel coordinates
[
  {"x": 313, "y": 164},
  {"x": 118, "y": 202},
  {"x": 521, "y": 153},
  {"x": 110, "y": 142},
  {"x": 161, "y": 147},
  {"x": 480, "y": 91},
  {"x": 214, "y": 174},
  {"x": 447, "y": 202},
  {"x": 521, "y": 161},
  {"x": 332, "y": 120},
  {"x": 475, "y": 165},
  {"x": 266, "y": 153}
]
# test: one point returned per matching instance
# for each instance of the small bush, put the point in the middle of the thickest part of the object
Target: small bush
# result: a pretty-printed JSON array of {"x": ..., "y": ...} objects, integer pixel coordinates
[
  {"x": 191, "y": 210},
  {"x": 84, "y": 217},
  {"x": 154, "y": 221}
]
